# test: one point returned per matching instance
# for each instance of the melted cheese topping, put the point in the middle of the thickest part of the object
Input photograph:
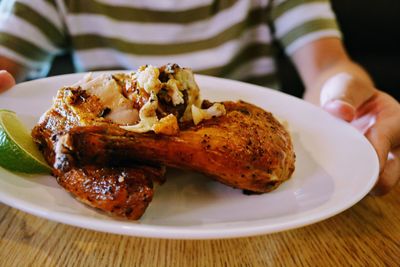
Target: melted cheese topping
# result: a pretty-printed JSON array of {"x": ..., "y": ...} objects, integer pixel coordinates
[
  {"x": 147, "y": 115},
  {"x": 174, "y": 92},
  {"x": 186, "y": 80},
  {"x": 216, "y": 110},
  {"x": 179, "y": 86}
]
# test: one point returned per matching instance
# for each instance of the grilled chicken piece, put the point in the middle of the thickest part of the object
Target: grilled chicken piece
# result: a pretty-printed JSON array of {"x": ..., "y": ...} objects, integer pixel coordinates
[
  {"x": 247, "y": 148},
  {"x": 122, "y": 190},
  {"x": 109, "y": 137}
]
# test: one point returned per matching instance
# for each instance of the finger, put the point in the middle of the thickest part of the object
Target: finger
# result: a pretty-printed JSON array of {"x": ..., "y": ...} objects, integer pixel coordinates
[
  {"x": 342, "y": 94},
  {"x": 379, "y": 120},
  {"x": 6, "y": 80},
  {"x": 390, "y": 175},
  {"x": 381, "y": 143},
  {"x": 383, "y": 112}
]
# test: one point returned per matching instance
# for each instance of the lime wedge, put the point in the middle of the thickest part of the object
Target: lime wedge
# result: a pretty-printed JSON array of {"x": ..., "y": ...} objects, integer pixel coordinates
[{"x": 18, "y": 152}]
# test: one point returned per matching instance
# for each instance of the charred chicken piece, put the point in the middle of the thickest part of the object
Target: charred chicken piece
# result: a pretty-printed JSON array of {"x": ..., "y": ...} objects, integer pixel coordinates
[
  {"x": 121, "y": 190},
  {"x": 247, "y": 148}
]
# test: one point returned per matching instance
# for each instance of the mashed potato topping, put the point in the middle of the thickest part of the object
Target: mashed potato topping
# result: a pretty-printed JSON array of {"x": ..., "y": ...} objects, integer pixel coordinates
[{"x": 151, "y": 98}]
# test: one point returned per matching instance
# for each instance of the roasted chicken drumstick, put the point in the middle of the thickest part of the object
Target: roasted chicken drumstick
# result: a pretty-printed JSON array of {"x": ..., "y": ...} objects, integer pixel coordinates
[{"x": 247, "y": 148}]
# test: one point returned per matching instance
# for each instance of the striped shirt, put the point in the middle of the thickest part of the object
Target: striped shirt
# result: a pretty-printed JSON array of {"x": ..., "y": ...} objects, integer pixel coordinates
[{"x": 227, "y": 38}]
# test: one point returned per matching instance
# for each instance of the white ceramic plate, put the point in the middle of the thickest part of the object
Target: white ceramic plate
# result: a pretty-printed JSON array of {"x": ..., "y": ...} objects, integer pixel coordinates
[{"x": 335, "y": 168}]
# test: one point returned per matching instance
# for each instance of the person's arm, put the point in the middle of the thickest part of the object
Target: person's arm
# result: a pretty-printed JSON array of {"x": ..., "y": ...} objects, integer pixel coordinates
[
  {"x": 10, "y": 72},
  {"x": 345, "y": 90}
]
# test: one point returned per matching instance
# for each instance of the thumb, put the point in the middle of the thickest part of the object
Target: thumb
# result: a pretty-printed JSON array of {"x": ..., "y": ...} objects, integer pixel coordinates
[
  {"x": 6, "y": 80},
  {"x": 342, "y": 94}
]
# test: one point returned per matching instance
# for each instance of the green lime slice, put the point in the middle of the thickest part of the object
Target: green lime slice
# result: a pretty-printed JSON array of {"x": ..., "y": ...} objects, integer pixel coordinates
[{"x": 18, "y": 152}]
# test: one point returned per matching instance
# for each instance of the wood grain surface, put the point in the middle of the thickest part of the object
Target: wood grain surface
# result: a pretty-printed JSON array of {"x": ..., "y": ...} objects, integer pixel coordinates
[{"x": 368, "y": 234}]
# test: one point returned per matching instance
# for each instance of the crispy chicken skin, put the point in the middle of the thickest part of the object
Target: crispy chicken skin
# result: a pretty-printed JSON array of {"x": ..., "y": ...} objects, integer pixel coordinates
[
  {"x": 247, "y": 148},
  {"x": 121, "y": 191}
]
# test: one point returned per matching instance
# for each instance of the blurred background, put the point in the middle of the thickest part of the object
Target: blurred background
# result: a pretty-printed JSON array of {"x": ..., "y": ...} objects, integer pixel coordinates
[{"x": 371, "y": 31}]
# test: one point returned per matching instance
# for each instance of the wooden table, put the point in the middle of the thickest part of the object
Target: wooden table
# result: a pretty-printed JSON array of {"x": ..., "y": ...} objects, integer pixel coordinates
[{"x": 368, "y": 234}]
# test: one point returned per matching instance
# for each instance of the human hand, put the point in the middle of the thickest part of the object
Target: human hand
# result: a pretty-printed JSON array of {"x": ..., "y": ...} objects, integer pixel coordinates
[
  {"x": 6, "y": 80},
  {"x": 373, "y": 112}
]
